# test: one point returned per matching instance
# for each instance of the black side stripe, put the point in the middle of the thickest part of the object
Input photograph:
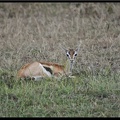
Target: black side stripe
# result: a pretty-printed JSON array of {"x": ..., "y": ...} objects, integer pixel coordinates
[{"x": 48, "y": 69}]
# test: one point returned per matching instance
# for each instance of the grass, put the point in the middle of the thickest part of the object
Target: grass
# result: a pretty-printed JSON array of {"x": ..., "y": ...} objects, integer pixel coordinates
[
  {"x": 33, "y": 32},
  {"x": 85, "y": 96}
]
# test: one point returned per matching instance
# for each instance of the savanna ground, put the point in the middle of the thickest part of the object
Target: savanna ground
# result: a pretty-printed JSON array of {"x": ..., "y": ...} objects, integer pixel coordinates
[{"x": 33, "y": 31}]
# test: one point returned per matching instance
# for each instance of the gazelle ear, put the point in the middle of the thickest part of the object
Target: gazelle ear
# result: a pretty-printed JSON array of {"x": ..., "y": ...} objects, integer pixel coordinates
[
  {"x": 63, "y": 48},
  {"x": 78, "y": 48}
]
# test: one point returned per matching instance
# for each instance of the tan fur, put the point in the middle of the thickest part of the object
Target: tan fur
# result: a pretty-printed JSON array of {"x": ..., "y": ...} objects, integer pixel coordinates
[
  {"x": 33, "y": 69},
  {"x": 71, "y": 52},
  {"x": 56, "y": 68}
]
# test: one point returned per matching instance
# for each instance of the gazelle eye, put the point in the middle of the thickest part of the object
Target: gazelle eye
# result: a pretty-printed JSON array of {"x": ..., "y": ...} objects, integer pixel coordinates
[
  {"x": 75, "y": 54},
  {"x": 67, "y": 55}
]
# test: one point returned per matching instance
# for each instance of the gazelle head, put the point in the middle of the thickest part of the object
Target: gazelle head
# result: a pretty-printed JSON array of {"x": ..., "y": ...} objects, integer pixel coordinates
[{"x": 71, "y": 55}]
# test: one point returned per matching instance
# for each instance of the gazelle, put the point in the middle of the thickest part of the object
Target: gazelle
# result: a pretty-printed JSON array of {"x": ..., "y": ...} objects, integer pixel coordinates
[{"x": 37, "y": 70}]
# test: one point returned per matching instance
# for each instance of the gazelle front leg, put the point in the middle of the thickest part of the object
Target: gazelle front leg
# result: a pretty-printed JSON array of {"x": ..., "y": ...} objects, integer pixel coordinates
[{"x": 37, "y": 78}]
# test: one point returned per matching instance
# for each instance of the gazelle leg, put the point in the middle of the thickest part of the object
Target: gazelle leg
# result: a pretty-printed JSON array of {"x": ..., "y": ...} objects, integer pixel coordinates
[{"x": 37, "y": 78}]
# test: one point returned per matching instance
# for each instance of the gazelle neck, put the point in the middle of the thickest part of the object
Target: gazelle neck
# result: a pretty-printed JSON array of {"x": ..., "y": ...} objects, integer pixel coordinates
[{"x": 68, "y": 67}]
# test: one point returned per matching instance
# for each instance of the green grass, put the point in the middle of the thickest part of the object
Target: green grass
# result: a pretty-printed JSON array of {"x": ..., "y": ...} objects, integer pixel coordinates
[{"x": 85, "y": 96}]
